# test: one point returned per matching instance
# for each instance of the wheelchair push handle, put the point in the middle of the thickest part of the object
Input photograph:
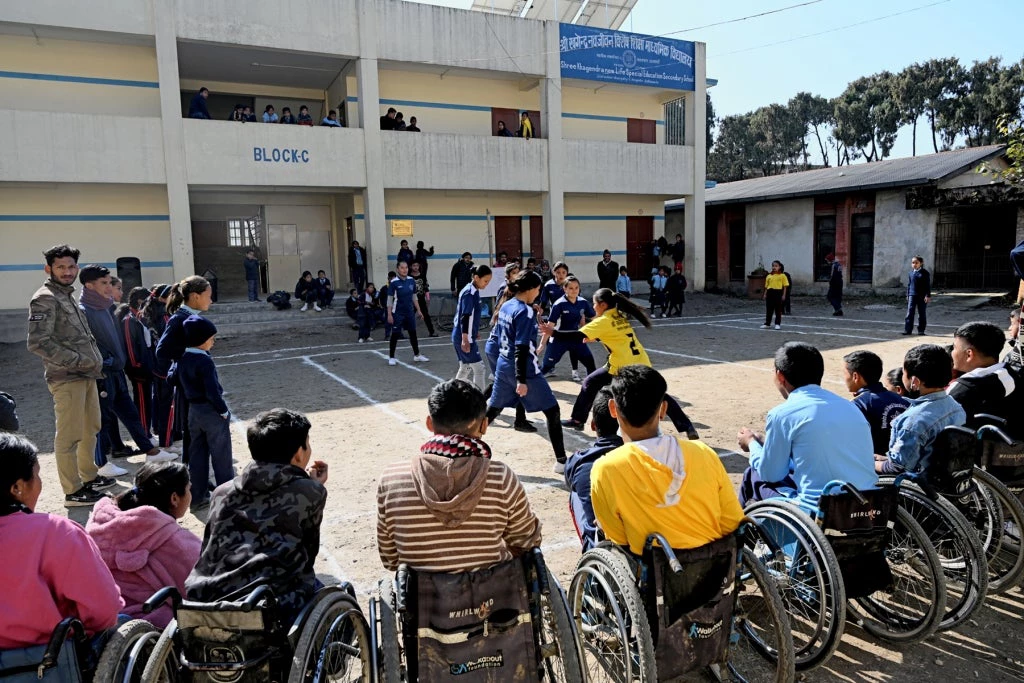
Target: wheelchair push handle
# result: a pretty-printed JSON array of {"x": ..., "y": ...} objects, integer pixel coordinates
[
  {"x": 542, "y": 571},
  {"x": 673, "y": 562},
  {"x": 997, "y": 434},
  {"x": 846, "y": 486},
  {"x": 160, "y": 597},
  {"x": 401, "y": 588},
  {"x": 252, "y": 602},
  {"x": 67, "y": 627}
]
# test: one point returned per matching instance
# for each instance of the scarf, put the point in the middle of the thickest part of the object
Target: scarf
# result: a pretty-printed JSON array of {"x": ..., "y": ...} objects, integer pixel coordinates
[
  {"x": 456, "y": 446},
  {"x": 93, "y": 299}
]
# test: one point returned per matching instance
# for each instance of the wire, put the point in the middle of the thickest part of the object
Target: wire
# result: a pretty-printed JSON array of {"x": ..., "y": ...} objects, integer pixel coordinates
[
  {"x": 733, "y": 21},
  {"x": 831, "y": 30}
]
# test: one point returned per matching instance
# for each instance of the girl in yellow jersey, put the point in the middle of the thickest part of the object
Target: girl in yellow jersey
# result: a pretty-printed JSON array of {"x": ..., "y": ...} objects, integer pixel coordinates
[
  {"x": 775, "y": 287},
  {"x": 613, "y": 329}
]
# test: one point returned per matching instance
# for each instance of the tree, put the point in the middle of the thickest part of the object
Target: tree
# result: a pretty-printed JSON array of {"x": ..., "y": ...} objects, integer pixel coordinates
[
  {"x": 1011, "y": 131},
  {"x": 867, "y": 119},
  {"x": 710, "y": 126},
  {"x": 990, "y": 92},
  {"x": 778, "y": 137},
  {"x": 910, "y": 97},
  {"x": 733, "y": 155},
  {"x": 941, "y": 81},
  {"x": 814, "y": 112}
]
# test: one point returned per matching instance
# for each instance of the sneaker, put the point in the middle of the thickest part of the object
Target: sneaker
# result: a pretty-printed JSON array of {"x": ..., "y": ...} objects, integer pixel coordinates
[
  {"x": 124, "y": 453},
  {"x": 111, "y": 470},
  {"x": 764, "y": 327},
  {"x": 906, "y": 334},
  {"x": 317, "y": 308},
  {"x": 162, "y": 456},
  {"x": 176, "y": 448},
  {"x": 420, "y": 358},
  {"x": 360, "y": 340},
  {"x": 433, "y": 334},
  {"x": 524, "y": 426},
  {"x": 778, "y": 327},
  {"x": 576, "y": 376},
  {"x": 369, "y": 339},
  {"x": 83, "y": 497},
  {"x": 573, "y": 424},
  {"x": 99, "y": 482},
  {"x": 305, "y": 307},
  {"x": 559, "y": 467},
  {"x": 692, "y": 435},
  {"x": 550, "y": 373},
  {"x": 392, "y": 361}
]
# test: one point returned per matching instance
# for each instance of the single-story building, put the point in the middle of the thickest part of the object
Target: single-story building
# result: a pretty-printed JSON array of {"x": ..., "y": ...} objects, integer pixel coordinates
[{"x": 874, "y": 217}]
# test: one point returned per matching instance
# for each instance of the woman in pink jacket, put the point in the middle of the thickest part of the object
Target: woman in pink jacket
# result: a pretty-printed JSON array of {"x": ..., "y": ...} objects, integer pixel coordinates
[
  {"x": 51, "y": 568},
  {"x": 139, "y": 538}
]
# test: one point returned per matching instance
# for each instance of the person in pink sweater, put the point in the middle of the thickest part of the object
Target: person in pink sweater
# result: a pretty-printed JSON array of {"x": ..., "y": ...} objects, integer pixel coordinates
[
  {"x": 51, "y": 568},
  {"x": 139, "y": 538}
]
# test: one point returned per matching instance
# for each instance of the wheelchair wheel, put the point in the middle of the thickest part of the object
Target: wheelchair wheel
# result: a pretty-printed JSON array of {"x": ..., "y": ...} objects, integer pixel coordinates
[
  {"x": 390, "y": 644},
  {"x": 960, "y": 552},
  {"x": 914, "y": 606},
  {"x": 335, "y": 644},
  {"x": 562, "y": 661},
  {"x": 162, "y": 667},
  {"x": 445, "y": 318},
  {"x": 761, "y": 647},
  {"x": 793, "y": 549},
  {"x": 127, "y": 652},
  {"x": 611, "y": 620},
  {"x": 1004, "y": 549}
]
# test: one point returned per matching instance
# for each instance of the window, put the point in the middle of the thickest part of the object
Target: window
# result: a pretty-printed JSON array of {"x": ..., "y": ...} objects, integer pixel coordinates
[
  {"x": 824, "y": 244},
  {"x": 243, "y": 232},
  {"x": 675, "y": 122},
  {"x": 862, "y": 247},
  {"x": 738, "y": 250}
]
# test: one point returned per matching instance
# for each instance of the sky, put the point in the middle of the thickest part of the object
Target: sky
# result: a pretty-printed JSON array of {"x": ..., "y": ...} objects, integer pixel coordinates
[{"x": 751, "y": 73}]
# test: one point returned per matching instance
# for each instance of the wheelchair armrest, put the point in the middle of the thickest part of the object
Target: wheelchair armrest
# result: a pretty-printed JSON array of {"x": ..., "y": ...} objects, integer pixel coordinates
[
  {"x": 160, "y": 597},
  {"x": 68, "y": 626},
  {"x": 997, "y": 434},
  {"x": 253, "y": 601},
  {"x": 673, "y": 562},
  {"x": 542, "y": 571},
  {"x": 401, "y": 588},
  {"x": 990, "y": 420}
]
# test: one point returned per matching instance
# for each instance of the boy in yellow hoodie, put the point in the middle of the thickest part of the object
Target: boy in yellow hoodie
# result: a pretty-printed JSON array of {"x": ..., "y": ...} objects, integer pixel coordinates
[{"x": 656, "y": 483}]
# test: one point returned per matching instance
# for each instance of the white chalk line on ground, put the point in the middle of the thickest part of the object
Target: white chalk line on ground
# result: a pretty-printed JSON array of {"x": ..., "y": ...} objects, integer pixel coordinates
[
  {"x": 721, "y": 362},
  {"x": 843, "y": 318},
  {"x": 314, "y": 355},
  {"x": 788, "y": 325},
  {"x": 802, "y": 332}
]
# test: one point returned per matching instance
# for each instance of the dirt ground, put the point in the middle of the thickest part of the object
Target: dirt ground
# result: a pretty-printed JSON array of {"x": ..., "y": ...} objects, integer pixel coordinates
[{"x": 366, "y": 414}]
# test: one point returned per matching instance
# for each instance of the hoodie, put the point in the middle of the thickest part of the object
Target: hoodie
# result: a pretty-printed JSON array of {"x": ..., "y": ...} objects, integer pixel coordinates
[
  {"x": 145, "y": 550},
  {"x": 441, "y": 514}
]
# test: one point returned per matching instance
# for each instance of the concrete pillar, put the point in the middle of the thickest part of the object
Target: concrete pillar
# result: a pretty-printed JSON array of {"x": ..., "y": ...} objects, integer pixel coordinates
[
  {"x": 1020, "y": 238},
  {"x": 173, "y": 134},
  {"x": 551, "y": 113},
  {"x": 369, "y": 107},
  {"x": 696, "y": 137}
]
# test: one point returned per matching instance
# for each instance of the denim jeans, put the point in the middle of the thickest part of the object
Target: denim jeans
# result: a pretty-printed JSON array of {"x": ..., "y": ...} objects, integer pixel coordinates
[{"x": 254, "y": 289}]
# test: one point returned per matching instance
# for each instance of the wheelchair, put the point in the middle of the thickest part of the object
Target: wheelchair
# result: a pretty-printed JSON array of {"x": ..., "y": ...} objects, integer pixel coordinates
[
  {"x": 509, "y": 622},
  {"x": 1001, "y": 478},
  {"x": 69, "y": 657},
  {"x": 244, "y": 638},
  {"x": 672, "y": 612},
  {"x": 860, "y": 555}
]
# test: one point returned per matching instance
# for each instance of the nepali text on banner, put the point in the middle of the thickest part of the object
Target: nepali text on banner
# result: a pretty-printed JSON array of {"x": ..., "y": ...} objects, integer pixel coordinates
[{"x": 631, "y": 58}]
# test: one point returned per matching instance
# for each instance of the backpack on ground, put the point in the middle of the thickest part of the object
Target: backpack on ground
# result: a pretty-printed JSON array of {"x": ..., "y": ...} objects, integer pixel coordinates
[{"x": 280, "y": 299}]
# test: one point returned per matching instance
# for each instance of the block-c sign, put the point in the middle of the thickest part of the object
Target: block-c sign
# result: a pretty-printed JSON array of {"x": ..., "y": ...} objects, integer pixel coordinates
[{"x": 278, "y": 155}]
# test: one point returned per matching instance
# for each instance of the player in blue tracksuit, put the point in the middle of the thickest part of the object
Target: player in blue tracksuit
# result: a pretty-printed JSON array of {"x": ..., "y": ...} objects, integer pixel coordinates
[
  {"x": 491, "y": 348},
  {"x": 466, "y": 329},
  {"x": 568, "y": 313},
  {"x": 553, "y": 288},
  {"x": 403, "y": 309},
  {"x": 517, "y": 378}
]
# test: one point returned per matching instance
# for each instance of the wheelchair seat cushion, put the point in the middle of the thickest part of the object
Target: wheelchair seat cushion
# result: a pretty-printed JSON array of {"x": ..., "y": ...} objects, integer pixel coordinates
[
  {"x": 690, "y": 613},
  {"x": 948, "y": 468},
  {"x": 859, "y": 532},
  {"x": 474, "y": 626},
  {"x": 22, "y": 665}
]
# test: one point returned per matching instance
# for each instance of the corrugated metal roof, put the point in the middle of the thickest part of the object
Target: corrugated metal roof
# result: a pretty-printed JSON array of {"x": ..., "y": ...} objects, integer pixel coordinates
[{"x": 904, "y": 172}]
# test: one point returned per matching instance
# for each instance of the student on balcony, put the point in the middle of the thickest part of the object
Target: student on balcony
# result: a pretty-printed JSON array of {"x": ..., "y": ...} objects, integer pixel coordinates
[
  {"x": 287, "y": 116},
  {"x": 412, "y": 127},
  {"x": 525, "y": 126},
  {"x": 197, "y": 107},
  {"x": 269, "y": 115},
  {"x": 304, "y": 118},
  {"x": 400, "y": 123},
  {"x": 503, "y": 132},
  {"x": 236, "y": 115},
  {"x": 247, "y": 115},
  {"x": 331, "y": 120},
  {"x": 387, "y": 122}
]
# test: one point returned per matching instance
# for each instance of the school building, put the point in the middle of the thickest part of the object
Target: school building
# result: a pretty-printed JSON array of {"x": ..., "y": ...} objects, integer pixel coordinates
[
  {"x": 874, "y": 217},
  {"x": 99, "y": 150}
]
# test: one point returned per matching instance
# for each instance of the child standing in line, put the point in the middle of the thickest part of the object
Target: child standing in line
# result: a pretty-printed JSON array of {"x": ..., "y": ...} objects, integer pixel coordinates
[
  {"x": 208, "y": 417},
  {"x": 422, "y": 294},
  {"x": 154, "y": 316},
  {"x": 403, "y": 309},
  {"x": 675, "y": 291},
  {"x": 567, "y": 315},
  {"x": 138, "y": 341},
  {"x": 659, "y": 282},
  {"x": 774, "y": 296},
  {"x": 623, "y": 285},
  {"x": 466, "y": 329}
]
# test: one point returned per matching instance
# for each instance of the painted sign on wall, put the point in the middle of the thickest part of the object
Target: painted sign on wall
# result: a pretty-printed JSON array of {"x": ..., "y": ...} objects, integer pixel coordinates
[
  {"x": 618, "y": 57},
  {"x": 278, "y": 155}
]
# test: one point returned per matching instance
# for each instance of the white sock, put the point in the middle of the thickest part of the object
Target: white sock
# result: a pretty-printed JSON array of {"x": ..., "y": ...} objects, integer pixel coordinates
[
  {"x": 464, "y": 371},
  {"x": 479, "y": 375}
]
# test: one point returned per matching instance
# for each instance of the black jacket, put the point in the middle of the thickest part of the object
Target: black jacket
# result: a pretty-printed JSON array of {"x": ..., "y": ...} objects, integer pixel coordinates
[
  {"x": 301, "y": 287},
  {"x": 607, "y": 273},
  {"x": 461, "y": 275},
  {"x": 140, "y": 354},
  {"x": 352, "y": 256}
]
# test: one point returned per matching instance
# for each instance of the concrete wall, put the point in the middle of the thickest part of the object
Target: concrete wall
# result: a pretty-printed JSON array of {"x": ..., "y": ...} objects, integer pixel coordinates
[
  {"x": 594, "y": 223},
  {"x": 116, "y": 16},
  {"x": 463, "y": 162},
  {"x": 595, "y": 166},
  {"x": 65, "y": 147},
  {"x": 782, "y": 231},
  {"x": 78, "y": 76},
  {"x": 225, "y": 153},
  {"x": 899, "y": 235},
  {"x": 104, "y": 221},
  {"x": 973, "y": 178},
  {"x": 601, "y": 115}
]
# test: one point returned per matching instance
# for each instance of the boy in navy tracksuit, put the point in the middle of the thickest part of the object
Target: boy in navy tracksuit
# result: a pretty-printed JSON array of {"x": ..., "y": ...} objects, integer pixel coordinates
[
  {"x": 577, "y": 469},
  {"x": 208, "y": 416}
]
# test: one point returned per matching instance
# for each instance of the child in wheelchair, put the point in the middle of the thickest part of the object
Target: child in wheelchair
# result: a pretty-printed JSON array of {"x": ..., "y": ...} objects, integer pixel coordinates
[{"x": 264, "y": 526}]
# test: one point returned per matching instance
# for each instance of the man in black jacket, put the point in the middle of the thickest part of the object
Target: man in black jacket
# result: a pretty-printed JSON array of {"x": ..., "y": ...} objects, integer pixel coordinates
[
  {"x": 357, "y": 265},
  {"x": 387, "y": 122},
  {"x": 986, "y": 385},
  {"x": 462, "y": 273},
  {"x": 607, "y": 271}
]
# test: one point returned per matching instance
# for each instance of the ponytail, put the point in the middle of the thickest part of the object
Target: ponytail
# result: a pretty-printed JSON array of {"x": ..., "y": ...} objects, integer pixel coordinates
[
  {"x": 154, "y": 484},
  {"x": 524, "y": 282},
  {"x": 482, "y": 270},
  {"x": 181, "y": 291},
  {"x": 622, "y": 305}
]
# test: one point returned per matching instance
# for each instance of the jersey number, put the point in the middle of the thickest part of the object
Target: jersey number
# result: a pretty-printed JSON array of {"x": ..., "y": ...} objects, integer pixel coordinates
[{"x": 632, "y": 344}]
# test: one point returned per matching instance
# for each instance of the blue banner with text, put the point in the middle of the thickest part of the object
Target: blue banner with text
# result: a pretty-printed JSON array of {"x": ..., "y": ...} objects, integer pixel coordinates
[{"x": 595, "y": 54}]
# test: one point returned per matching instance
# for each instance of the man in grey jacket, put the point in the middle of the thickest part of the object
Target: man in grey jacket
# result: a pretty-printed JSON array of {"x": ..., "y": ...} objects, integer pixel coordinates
[{"x": 59, "y": 334}]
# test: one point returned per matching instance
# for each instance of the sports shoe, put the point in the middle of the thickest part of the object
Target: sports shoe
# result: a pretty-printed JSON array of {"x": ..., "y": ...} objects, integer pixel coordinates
[
  {"x": 433, "y": 334},
  {"x": 573, "y": 424},
  {"x": 124, "y": 452},
  {"x": 764, "y": 327},
  {"x": 524, "y": 426},
  {"x": 838, "y": 314},
  {"x": 392, "y": 361},
  {"x": 906, "y": 334},
  {"x": 305, "y": 307},
  {"x": 559, "y": 467},
  {"x": 111, "y": 470},
  {"x": 317, "y": 308},
  {"x": 576, "y": 376},
  {"x": 360, "y": 340},
  {"x": 162, "y": 456},
  {"x": 99, "y": 482},
  {"x": 550, "y": 373},
  {"x": 692, "y": 435},
  {"x": 778, "y": 327},
  {"x": 175, "y": 448},
  {"x": 420, "y": 358},
  {"x": 83, "y": 497}
]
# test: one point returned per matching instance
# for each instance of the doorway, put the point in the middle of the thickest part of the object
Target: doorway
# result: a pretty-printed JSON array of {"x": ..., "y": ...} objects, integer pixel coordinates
[
  {"x": 971, "y": 248},
  {"x": 537, "y": 237},
  {"x": 639, "y": 235},
  {"x": 508, "y": 236}
]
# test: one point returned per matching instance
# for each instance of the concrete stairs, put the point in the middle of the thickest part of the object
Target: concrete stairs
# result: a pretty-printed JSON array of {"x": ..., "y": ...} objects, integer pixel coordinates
[{"x": 241, "y": 317}]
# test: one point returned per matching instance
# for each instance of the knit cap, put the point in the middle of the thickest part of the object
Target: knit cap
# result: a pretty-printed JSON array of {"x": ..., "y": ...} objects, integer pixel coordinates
[{"x": 197, "y": 330}]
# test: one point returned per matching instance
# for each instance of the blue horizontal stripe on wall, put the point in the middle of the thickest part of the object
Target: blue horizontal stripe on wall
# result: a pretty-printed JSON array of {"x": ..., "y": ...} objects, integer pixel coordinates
[
  {"x": 602, "y": 117},
  {"x": 615, "y": 252},
  {"x": 424, "y": 217},
  {"x": 56, "y": 218},
  {"x": 606, "y": 218},
  {"x": 476, "y": 107},
  {"x": 61, "y": 78},
  {"x": 11, "y": 267}
]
